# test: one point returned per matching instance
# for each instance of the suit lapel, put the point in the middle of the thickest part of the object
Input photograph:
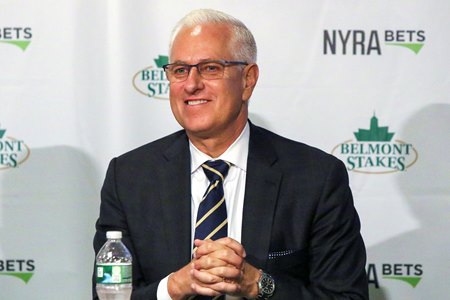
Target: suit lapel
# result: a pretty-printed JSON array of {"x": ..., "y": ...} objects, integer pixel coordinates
[
  {"x": 176, "y": 200},
  {"x": 262, "y": 184}
]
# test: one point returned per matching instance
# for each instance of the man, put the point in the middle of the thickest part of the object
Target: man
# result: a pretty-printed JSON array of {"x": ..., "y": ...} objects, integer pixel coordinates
[{"x": 292, "y": 230}]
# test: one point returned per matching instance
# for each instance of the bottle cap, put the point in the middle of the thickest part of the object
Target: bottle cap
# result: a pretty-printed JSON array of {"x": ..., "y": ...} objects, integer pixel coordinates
[{"x": 114, "y": 234}]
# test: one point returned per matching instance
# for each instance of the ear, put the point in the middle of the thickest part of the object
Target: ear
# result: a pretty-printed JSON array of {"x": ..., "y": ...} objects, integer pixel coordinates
[{"x": 251, "y": 74}]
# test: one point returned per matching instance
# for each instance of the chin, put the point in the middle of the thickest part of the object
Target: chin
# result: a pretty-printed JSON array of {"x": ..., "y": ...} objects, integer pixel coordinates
[
  {"x": 197, "y": 125},
  {"x": 199, "y": 131}
]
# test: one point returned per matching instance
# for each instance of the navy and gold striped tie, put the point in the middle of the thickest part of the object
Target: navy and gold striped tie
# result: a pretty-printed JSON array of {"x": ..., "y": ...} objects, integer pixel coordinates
[{"x": 212, "y": 222}]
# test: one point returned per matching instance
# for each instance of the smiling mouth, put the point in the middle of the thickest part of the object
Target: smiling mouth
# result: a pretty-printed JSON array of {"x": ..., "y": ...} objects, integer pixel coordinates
[{"x": 195, "y": 102}]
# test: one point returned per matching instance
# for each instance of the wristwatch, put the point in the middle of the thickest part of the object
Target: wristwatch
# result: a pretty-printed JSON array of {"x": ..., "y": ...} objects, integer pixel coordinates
[{"x": 266, "y": 286}]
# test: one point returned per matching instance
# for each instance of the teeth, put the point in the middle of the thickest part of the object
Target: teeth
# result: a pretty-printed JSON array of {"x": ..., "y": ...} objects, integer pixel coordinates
[{"x": 195, "y": 102}]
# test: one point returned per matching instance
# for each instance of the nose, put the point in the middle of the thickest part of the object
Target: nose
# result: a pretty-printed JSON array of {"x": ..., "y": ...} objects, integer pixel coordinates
[{"x": 194, "y": 81}]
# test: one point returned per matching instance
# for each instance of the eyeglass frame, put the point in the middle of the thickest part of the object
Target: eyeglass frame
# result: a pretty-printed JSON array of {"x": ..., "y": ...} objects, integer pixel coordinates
[{"x": 225, "y": 63}]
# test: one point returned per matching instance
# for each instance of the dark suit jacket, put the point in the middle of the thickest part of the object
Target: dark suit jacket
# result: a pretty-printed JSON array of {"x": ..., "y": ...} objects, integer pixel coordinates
[{"x": 299, "y": 221}]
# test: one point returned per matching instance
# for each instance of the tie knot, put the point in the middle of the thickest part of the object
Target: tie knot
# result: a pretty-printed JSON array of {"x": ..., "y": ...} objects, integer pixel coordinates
[{"x": 216, "y": 169}]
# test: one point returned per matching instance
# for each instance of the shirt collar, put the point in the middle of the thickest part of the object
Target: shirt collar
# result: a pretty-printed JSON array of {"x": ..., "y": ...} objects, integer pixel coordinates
[{"x": 236, "y": 154}]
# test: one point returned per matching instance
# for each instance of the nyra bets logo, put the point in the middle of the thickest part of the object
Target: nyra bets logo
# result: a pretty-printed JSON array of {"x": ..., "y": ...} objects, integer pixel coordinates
[
  {"x": 13, "y": 152},
  {"x": 374, "y": 151},
  {"x": 151, "y": 81},
  {"x": 16, "y": 36},
  {"x": 409, "y": 273},
  {"x": 20, "y": 268},
  {"x": 370, "y": 42}
]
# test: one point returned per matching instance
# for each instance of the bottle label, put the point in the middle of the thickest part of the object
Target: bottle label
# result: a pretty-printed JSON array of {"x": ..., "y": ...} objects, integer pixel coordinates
[{"x": 113, "y": 273}]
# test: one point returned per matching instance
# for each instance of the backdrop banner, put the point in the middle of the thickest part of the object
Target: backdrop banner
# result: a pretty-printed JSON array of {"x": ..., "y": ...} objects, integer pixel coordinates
[{"x": 82, "y": 82}]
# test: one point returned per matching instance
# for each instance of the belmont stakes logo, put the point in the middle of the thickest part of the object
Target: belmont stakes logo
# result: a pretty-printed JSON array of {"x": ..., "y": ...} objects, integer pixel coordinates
[
  {"x": 369, "y": 42},
  {"x": 13, "y": 152},
  {"x": 20, "y": 268},
  {"x": 151, "y": 81},
  {"x": 408, "y": 273},
  {"x": 374, "y": 151},
  {"x": 16, "y": 36}
]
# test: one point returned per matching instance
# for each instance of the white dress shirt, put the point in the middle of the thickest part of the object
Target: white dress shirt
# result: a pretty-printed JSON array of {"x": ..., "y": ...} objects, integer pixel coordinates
[{"x": 234, "y": 190}]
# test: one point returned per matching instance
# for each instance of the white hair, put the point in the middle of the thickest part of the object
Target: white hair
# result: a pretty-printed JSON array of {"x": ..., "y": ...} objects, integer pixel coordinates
[{"x": 242, "y": 39}]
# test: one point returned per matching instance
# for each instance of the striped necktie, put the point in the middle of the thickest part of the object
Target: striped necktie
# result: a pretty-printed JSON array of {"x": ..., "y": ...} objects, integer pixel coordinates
[{"x": 212, "y": 220}]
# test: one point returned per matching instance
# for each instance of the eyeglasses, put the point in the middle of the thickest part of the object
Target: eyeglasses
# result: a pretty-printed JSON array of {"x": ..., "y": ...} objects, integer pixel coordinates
[{"x": 211, "y": 69}]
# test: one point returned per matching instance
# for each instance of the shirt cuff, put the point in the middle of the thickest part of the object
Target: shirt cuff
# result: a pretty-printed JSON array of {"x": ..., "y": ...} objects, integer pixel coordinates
[{"x": 162, "y": 292}]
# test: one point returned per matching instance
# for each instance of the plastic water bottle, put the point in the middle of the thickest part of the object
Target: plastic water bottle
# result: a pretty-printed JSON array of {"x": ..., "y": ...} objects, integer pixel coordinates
[{"x": 113, "y": 269}]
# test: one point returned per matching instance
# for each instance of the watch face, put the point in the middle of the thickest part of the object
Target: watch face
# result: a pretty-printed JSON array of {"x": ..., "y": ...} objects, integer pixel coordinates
[{"x": 266, "y": 286}]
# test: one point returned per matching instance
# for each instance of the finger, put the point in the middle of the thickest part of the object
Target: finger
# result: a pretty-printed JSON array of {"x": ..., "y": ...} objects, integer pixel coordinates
[
  {"x": 209, "y": 246},
  {"x": 205, "y": 278},
  {"x": 221, "y": 256},
  {"x": 209, "y": 285},
  {"x": 197, "y": 244},
  {"x": 206, "y": 246},
  {"x": 228, "y": 272},
  {"x": 233, "y": 244},
  {"x": 205, "y": 291},
  {"x": 208, "y": 262}
]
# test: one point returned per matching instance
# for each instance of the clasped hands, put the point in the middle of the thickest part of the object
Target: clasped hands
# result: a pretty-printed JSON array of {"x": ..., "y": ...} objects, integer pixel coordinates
[{"x": 218, "y": 267}]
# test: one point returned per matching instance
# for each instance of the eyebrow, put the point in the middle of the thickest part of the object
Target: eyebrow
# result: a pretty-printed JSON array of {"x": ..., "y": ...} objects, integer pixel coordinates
[{"x": 200, "y": 61}]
